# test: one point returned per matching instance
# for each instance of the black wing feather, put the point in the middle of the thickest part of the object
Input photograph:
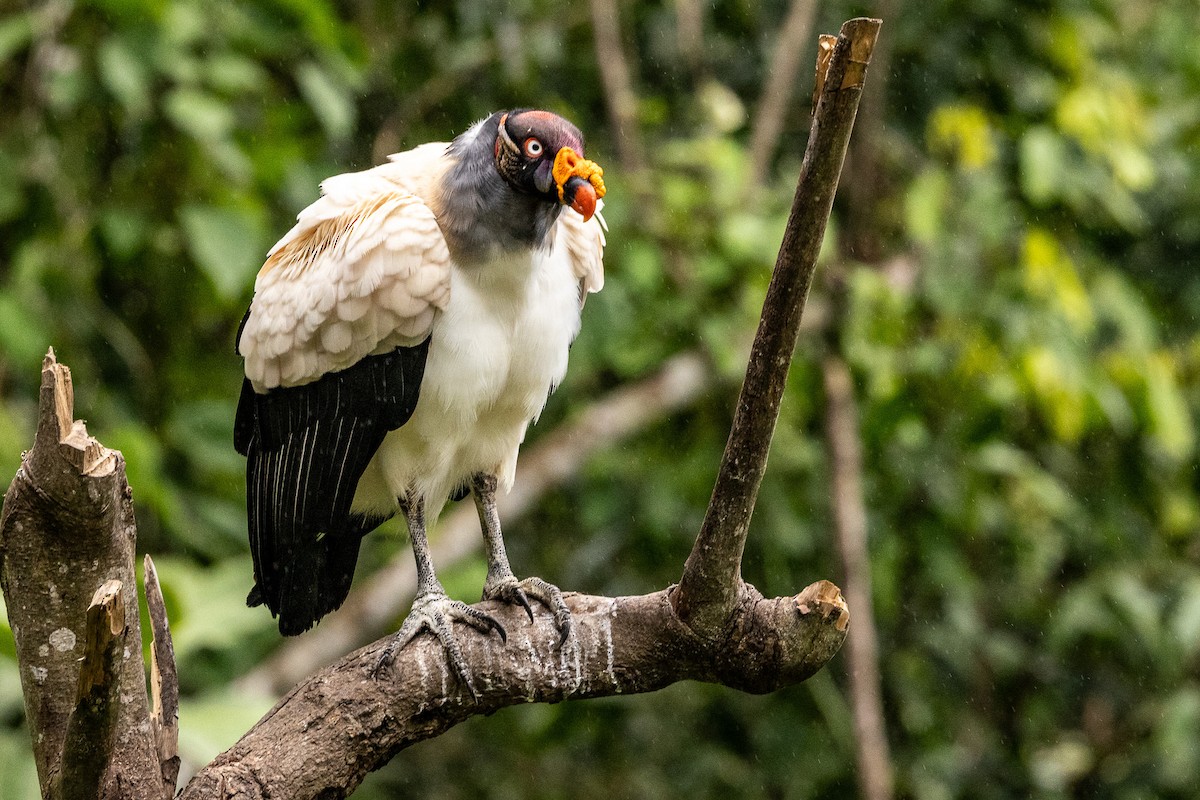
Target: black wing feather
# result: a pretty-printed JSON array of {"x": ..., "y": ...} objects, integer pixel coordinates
[{"x": 306, "y": 448}]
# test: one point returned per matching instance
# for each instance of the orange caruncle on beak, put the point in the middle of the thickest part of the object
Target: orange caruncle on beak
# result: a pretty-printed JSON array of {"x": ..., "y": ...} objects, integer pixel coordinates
[{"x": 569, "y": 164}]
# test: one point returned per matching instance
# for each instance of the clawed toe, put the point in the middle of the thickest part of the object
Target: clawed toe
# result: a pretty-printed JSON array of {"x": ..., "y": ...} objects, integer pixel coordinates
[
  {"x": 436, "y": 613},
  {"x": 511, "y": 590},
  {"x": 508, "y": 591}
]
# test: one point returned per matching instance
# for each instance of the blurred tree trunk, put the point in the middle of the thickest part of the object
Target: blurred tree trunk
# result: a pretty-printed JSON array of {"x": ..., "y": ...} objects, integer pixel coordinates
[
  {"x": 866, "y": 186},
  {"x": 850, "y": 522},
  {"x": 860, "y": 241},
  {"x": 779, "y": 87},
  {"x": 619, "y": 95}
]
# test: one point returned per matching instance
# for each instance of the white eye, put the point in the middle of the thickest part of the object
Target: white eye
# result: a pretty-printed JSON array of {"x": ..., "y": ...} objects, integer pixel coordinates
[{"x": 533, "y": 148}]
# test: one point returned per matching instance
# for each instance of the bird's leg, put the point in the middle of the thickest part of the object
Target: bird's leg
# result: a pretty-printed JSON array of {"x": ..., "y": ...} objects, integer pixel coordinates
[
  {"x": 501, "y": 584},
  {"x": 432, "y": 609}
]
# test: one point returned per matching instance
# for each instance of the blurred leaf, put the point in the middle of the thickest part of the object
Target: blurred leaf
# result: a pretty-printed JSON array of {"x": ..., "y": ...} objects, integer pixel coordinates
[
  {"x": 964, "y": 131},
  {"x": 1185, "y": 621},
  {"x": 329, "y": 100},
  {"x": 1043, "y": 165},
  {"x": 229, "y": 245},
  {"x": 1180, "y": 727},
  {"x": 124, "y": 231},
  {"x": 203, "y": 116},
  {"x": 722, "y": 107},
  {"x": 17, "y": 766},
  {"x": 1170, "y": 421},
  {"x": 23, "y": 336},
  {"x": 124, "y": 74},
  {"x": 1051, "y": 275},
  {"x": 925, "y": 205},
  {"x": 144, "y": 467},
  {"x": 212, "y": 724},
  {"x": 11, "y": 199},
  {"x": 228, "y": 72},
  {"x": 16, "y": 32},
  {"x": 211, "y": 606}
]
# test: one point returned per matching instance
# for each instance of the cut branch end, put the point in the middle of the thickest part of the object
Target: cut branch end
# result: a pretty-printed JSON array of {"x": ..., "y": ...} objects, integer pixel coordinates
[{"x": 824, "y": 599}]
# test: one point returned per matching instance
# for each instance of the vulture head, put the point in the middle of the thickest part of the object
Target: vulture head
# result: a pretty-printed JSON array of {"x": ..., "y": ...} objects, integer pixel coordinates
[
  {"x": 508, "y": 179},
  {"x": 541, "y": 154}
]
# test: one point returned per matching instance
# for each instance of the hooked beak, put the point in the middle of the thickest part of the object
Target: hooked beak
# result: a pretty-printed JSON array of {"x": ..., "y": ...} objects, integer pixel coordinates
[{"x": 580, "y": 182}]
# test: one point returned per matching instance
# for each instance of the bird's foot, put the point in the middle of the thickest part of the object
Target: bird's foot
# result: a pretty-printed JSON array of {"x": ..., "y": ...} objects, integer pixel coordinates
[
  {"x": 510, "y": 590},
  {"x": 436, "y": 613}
]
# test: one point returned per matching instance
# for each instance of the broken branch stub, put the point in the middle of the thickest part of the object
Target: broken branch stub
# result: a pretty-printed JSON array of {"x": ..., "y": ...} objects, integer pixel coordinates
[
  {"x": 164, "y": 680},
  {"x": 67, "y": 528}
]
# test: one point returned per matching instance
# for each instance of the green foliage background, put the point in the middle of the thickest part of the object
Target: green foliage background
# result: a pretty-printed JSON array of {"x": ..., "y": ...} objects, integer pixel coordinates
[{"x": 1021, "y": 291}]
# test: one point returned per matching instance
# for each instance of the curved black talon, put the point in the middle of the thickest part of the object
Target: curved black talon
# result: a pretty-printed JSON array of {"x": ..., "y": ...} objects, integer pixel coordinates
[
  {"x": 564, "y": 633},
  {"x": 511, "y": 590},
  {"x": 523, "y": 601}
]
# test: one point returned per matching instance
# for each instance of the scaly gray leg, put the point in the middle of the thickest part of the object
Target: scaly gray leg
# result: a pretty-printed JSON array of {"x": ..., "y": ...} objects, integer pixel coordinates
[
  {"x": 432, "y": 610},
  {"x": 501, "y": 584}
]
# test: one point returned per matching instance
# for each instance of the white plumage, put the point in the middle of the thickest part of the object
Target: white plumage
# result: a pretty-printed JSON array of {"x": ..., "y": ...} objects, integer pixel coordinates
[
  {"x": 497, "y": 349},
  {"x": 366, "y": 269}
]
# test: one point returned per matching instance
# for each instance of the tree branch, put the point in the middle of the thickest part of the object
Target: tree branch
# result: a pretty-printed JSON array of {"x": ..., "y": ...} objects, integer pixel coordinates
[
  {"x": 625, "y": 645},
  {"x": 372, "y": 608},
  {"x": 711, "y": 582}
]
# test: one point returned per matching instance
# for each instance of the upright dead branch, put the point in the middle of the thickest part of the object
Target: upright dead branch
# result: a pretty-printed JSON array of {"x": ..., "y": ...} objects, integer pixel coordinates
[
  {"x": 711, "y": 583},
  {"x": 91, "y": 728},
  {"x": 67, "y": 531}
]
